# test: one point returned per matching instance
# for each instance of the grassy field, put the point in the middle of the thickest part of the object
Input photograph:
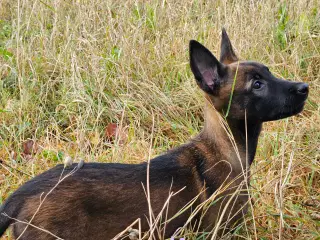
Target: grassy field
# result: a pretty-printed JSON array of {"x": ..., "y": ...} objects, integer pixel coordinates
[{"x": 72, "y": 73}]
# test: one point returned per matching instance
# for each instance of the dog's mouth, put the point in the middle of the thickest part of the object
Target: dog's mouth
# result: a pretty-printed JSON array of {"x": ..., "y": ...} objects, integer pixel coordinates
[
  {"x": 286, "y": 111},
  {"x": 292, "y": 110}
]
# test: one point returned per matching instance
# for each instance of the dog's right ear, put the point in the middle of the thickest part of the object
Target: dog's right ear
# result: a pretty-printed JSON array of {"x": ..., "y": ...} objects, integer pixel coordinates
[
  {"x": 227, "y": 54},
  {"x": 207, "y": 70}
]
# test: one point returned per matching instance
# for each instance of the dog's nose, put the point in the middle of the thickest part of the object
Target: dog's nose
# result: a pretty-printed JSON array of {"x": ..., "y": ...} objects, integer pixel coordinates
[{"x": 302, "y": 89}]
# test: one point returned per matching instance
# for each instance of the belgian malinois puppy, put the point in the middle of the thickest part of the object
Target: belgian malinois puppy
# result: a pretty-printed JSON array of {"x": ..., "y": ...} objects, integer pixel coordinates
[{"x": 102, "y": 199}]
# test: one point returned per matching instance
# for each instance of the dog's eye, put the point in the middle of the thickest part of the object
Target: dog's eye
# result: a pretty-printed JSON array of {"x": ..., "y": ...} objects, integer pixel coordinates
[{"x": 257, "y": 85}]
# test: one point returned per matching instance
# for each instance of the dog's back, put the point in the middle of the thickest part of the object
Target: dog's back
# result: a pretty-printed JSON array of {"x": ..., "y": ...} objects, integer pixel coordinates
[{"x": 99, "y": 200}]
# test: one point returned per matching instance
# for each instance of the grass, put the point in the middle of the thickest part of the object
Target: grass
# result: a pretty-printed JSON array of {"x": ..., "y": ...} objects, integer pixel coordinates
[{"x": 68, "y": 69}]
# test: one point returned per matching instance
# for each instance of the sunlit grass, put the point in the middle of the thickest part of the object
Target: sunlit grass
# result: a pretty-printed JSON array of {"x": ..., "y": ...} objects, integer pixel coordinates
[{"x": 70, "y": 68}]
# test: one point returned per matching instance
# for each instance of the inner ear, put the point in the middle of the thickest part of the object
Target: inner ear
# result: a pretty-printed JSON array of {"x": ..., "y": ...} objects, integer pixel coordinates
[
  {"x": 207, "y": 70},
  {"x": 227, "y": 54}
]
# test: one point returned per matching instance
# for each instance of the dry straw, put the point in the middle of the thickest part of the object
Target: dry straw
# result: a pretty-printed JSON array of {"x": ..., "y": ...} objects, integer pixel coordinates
[{"x": 69, "y": 68}]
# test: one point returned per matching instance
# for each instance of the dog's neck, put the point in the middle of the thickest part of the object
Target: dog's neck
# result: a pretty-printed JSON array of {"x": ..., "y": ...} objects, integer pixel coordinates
[{"x": 215, "y": 132}]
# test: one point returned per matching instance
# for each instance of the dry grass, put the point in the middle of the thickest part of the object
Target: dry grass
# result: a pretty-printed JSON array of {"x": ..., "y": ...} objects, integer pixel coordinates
[{"x": 69, "y": 68}]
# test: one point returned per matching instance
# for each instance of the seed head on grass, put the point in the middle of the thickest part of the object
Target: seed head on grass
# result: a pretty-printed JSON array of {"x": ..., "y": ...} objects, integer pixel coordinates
[{"x": 67, "y": 161}]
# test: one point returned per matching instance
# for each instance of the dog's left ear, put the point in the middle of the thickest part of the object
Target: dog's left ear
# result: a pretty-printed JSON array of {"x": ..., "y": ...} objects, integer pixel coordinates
[
  {"x": 208, "y": 71},
  {"x": 227, "y": 54}
]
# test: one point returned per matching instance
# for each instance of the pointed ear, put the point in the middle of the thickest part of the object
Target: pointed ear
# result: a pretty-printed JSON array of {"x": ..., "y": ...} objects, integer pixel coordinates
[
  {"x": 207, "y": 70},
  {"x": 227, "y": 54}
]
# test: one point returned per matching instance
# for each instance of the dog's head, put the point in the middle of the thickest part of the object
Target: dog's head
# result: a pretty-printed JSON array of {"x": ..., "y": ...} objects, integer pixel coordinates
[{"x": 250, "y": 86}]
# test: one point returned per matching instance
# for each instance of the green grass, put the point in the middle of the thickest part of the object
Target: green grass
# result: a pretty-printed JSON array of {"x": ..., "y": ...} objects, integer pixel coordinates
[{"x": 67, "y": 70}]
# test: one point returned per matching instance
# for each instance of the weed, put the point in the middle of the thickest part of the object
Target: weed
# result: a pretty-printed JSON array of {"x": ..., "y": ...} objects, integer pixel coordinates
[{"x": 67, "y": 71}]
